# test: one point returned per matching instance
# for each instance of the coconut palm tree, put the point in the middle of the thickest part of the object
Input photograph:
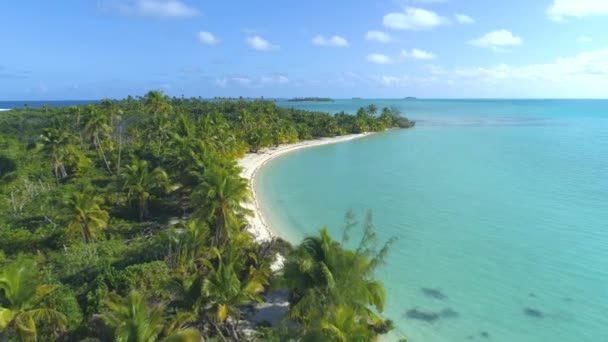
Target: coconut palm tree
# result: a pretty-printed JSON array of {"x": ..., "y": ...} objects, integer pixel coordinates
[
  {"x": 219, "y": 200},
  {"x": 96, "y": 128},
  {"x": 156, "y": 102},
  {"x": 21, "y": 295},
  {"x": 189, "y": 244},
  {"x": 82, "y": 214},
  {"x": 140, "y": 182},
  {"x": 226, "y": 280},
  {"x": 56, "y": 144},
  {"x": 134, "y": 321},
  {"x": 341, "y": 324},
  {"x": 324, "y": 276}
]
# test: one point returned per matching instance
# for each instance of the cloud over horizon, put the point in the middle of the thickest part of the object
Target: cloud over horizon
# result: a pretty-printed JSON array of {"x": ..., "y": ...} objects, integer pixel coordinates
[{"x": 151, "y": 8}]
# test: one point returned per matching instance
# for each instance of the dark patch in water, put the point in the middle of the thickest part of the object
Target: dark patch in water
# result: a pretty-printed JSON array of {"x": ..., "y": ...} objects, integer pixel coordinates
[
  {"x": 532, "y": 294},
  {"x": 567, "y": 299},
  {"x": 431, "y": 316},
  {"x": 484, "y": 334},
  {"x": 534, "y": 313},
  {"x": 449, "y": 313},
  {"x": 433, "y": 293}
]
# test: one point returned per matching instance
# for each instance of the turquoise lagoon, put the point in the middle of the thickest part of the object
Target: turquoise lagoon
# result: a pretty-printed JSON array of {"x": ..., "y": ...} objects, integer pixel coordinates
[{"x": 500, "y": 208}]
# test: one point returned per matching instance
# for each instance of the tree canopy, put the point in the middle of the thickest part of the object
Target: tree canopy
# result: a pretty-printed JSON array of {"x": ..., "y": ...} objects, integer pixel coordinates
[{"x": 124, "y": 220}]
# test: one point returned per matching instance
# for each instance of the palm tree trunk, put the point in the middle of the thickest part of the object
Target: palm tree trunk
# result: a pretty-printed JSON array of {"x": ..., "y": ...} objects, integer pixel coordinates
[
  {"x": 141, "y": 210},
  {"x": 103, "y": 155},
  {"x": 119, "y": 150},
  {"x": 219, "y": 331}
]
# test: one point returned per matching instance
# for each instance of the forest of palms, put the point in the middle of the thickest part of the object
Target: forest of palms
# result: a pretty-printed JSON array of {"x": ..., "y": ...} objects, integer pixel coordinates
[{"x": 123, "y": 220}]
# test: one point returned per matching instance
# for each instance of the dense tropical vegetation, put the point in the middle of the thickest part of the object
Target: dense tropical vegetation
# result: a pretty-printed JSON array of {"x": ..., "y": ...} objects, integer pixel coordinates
[{"x": 124, "y": 220}]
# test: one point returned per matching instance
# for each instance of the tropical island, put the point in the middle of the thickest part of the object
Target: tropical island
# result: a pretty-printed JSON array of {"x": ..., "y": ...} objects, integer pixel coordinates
[
  {"x": 129, "y": 220},
  {"x": 311, "y": 99}
]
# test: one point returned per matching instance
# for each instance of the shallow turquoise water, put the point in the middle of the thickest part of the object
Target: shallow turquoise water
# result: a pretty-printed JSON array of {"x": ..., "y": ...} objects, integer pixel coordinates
[{"x": 500, "y": 205}]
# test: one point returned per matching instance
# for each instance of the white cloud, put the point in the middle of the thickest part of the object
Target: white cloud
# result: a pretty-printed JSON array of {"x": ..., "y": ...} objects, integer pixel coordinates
[
  {"x": 221, "y": 82},
  {"x": 560, "y": 9},
  {"x": 412, "y": 18},
  {"x": 497, "y": 39},
  {"x": 464, "y": 19},
  {"x": 378, "y": 36},
  {"x": 417, "y": 54},
  {"x": 274, "y": 79},
  {"x": 585, "y": 39},
  {"x": 333, "y": 41},
  {"x": 589, "y": 65},
  {"x": 152, "y": 8},
  {"x": 378, "y": 58},
  {"x": 207, "y": 38},
  {"x": 389, "y": 81},
  {"x": 260, "y": 44},
  {"x": 241, "y": 81}
]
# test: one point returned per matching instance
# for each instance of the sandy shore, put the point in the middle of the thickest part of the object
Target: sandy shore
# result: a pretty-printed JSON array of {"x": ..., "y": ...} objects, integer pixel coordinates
[
  {"x": 252, "y": 162},
  {"x": 276, "y": 304}
]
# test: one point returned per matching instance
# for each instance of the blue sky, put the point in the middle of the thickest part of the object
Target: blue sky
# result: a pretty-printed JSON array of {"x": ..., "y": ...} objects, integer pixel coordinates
[{"x": 75, "y": 49}]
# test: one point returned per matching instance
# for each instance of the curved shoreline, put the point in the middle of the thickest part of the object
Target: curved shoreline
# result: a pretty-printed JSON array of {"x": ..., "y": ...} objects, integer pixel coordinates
[{"x": 251, "y": 163}]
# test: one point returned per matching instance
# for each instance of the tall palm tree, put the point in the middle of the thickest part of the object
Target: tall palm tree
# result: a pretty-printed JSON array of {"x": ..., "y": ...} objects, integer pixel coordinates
[
  {"x": 22, "y": 294},
  {"x": 112, "y": 111},
  {"x": 156, "y": 102},
  {"x": 83, "y": 215},
  {"x": 342, "y": 324},
  {"x": 56, "y": 144},
  {"x": 188, "y": 245},
  {"x": 134, "y": 321},
  {"x": 140, "y": 182},
  {"x": 96, "y": 128},
  {"x": 323, "y": 275},
  {"x": 219, "y": 200},
  {"x": 226, "y": 280}
]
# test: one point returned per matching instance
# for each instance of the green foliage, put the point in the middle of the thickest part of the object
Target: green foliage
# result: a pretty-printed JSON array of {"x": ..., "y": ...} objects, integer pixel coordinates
[
  {"x": 150, "y": 279},
  {"x": 22, "y": 311},
  {"x": 140, "y": 200},
  {"x": 334, "y": 294}
]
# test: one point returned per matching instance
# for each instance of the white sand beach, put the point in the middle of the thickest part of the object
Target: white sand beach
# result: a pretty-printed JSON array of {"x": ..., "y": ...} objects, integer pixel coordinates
[
  {"x": 252, "y": 162},
  {"x": 276, "y": 303}
]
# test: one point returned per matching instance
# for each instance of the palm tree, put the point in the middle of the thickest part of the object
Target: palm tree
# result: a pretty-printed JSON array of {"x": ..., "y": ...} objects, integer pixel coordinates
[
  {"x": 140, "y": 182},
  {"x": 342, "y": 324},
  {"x": 83, "y": 215},
  {"x": 22, "y": 294},
  {"x": 323, "y": 276},
  {"x": 226, "y": 280},
  {"x": 156, "y": 102},
  {"x": 219, "y": 200},
  {"x": 188, "y": 245},
  {"x": 96, "y": 128},
  {"x": 134, "y": 321},
  {"x": 56, "y": 144},
  {"x": 111, "y": 110}
]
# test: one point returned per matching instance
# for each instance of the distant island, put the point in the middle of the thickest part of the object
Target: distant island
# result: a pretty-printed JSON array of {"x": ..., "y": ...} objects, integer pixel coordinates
[
  {"x": 311, "y": 99},
  {"x": 409, "y": 98}
]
